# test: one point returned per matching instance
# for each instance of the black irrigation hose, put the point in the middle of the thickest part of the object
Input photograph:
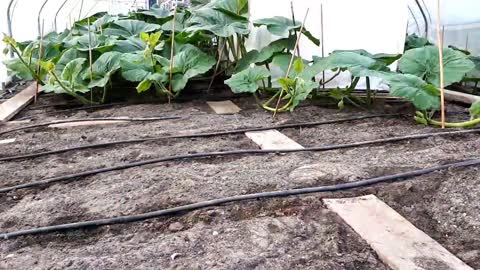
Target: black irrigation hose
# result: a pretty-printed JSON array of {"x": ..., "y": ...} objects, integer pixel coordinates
[
  {"x": 90, "y": 120},
  {"x": 74, "y": 176},
  {"x": 198, "y": 135},
  {"x": 254, "y": 196}
]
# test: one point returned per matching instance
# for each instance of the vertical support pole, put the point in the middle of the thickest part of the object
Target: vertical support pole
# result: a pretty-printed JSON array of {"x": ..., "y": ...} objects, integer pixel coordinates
[
  {"x": 39, "y": 19},
  {"x": 440, "y": 55},
  {"x": 56, "y": 14},
  {"x": 9, "y": 25},
  {"x": 322, "y": 43}
]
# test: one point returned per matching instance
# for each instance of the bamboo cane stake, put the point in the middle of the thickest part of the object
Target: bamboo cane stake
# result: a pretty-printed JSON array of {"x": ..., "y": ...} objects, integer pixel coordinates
[
  {"x": 291, "y": 61},
  {"x": 40, "y": 56},
  {"x": 172, "y": 54},
  {"x": 293, "y": 22},
  {"x": 322, "y": 43},
  {"x": 90, "y": 58},
  {"x": 440, "y": 54}
]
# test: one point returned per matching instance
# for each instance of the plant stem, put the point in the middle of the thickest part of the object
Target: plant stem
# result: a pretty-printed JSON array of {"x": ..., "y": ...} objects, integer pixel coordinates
[
  {"x": 34, "y": 74},
  {"x": 467, "y": 124},
  {"x": 369, "y": 93},
  {"x": 231, "y": 45},
  {"x": 69, "y": 91}
]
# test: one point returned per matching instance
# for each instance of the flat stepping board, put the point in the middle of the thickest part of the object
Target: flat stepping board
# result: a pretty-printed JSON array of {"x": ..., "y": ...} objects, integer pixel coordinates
[
  {"x": 224, "y": 107},
  {"x": 398, "y": 243},
  {"x": 273, "y": 140},
  {"x": 14, "y": 105}
]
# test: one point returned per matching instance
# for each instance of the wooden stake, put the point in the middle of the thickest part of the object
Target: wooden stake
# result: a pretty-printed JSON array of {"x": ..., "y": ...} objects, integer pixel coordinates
[
  {"x": 220, "y": 56},
  {"x": 40, "y": 56},
  {"x": 291, "y": 61},
  {"x": 293, "y": 22},
  {"x": 322, "y": 43},
  {"x": 440, "y": 55},
  {"x": 90, "y": 57},
  {"x": 172, "y": 54}
]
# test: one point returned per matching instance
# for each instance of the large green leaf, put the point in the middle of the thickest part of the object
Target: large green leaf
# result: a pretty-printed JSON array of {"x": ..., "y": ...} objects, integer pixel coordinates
[
  {"x": 282, "y": 26},
  {"x": 73, "y": 69},
  {"x": 266, "y": 54},
  {"x": 68, "y": 56},
  {"x": 218, "y": 23},
  {"x": 15, "y": 67},
  {"x": 161, "y": 14},
  {"x": 105, "y": 66},
  {"x": 424, "y": 63},
  {"x": 383, "y": 58},
  {"x": 129, "y": 28},
  {"x": 130, "y": 45},
  {"x": 235, "y": 8},
  {"x": 247, "y": 80},
  {"x": 135, "y": 67},
  {"x": 413, "y": 41},
  {"x": 303, "y": 89},
  {"x": 423, "y": 95},
  {"x": 189, "y": 63},
  {"x": 475, "y": 110},
  {"x": 100, "y": 43}
]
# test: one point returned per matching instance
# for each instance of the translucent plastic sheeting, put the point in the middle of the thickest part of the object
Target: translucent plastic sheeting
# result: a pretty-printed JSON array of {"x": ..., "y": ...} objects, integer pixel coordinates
[
  {"x": 25, "y": 16},
  {"x": 377, "y": 26},
  {"x": 460, "y": 20}
]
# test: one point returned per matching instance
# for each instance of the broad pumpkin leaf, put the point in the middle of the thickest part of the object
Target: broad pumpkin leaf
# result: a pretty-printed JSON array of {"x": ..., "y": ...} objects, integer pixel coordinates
[
  {"x": 384, "y": 58},
  {"x": 238, "y": 9},
  {"x": 266, "y": 54},
  {"x": 189, "y": 63},
  {"x": 68, "y": 56},
  {"x": 423, "y": 95},
  {"x": 73, "y": 69},
  {"x": 247, "y": 80},
  {"x": 217, "y": 22},
  {"x": 162, "y": 15},
  {"x": 129, "y": 28},
  {"x": 100, "y": 43},
  {"x": 282, "y": 26},
  {"x": 413, "y": 41},
  {"x": 103, "y": 68},
  {"x": 130, "y": 45},
  {"x": 303, "y": 89},
  {"x": 15, "y": 67},
  {"x": 475, "y": 110},
  {"x": 135, "y": 67},
  {"x": 424, "y": 63}
]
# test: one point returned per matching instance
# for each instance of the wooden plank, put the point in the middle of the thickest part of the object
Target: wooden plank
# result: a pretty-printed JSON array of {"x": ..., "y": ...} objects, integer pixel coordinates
[
  {"x": 273, "y": 140},
  {"x": 461, "y": 97},
  {"x": 87, "y": 123},
  {"x": 7, "y": 141},
  {"x": 14, "y": 105},
  {"x": 224, "y": 107},
  {"x": 398, "y": 243}
]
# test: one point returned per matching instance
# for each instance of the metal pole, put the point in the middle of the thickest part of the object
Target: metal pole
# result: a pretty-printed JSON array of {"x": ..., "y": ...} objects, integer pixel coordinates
[
  {"x": 56, "y": 14},
  {"x": 9, "y": 25},
  {"x": 80, "y": 13},
  {"x": 39, "y": 18}
]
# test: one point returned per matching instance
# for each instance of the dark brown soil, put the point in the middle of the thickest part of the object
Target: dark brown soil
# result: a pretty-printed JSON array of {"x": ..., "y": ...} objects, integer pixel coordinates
[{"x": 288, "y": 233}]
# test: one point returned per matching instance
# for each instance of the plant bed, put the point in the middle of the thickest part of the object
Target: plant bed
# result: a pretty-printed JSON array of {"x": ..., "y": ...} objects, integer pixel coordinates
[{"x": 284, "y": 233}]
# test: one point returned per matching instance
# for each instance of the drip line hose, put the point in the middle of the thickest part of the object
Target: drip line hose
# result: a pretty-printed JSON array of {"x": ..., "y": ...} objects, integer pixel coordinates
[
  {"x": 72, "y": 177},
  {"x": 151, "y": 119},
  {"x": 216, "y": 202},
  {"x": 198, "y": 135}
]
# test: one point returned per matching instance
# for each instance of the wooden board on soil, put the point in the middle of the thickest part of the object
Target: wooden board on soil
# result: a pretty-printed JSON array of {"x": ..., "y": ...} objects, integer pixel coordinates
[
  {"x": 461, "y": 97},
  {"x": 11, "y": 107},
  {"x": 224, "y": 107},
  {"x": 398, "y": 243},
  {"x": 273, "y": 140}
]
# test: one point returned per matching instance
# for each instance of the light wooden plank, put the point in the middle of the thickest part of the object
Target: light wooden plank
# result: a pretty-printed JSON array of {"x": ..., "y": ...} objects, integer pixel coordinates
[
  {"x": 273, "y": 140},
  {"x": 398, "y": 243},
  {"x": 14, "y": 105},
  {"x": 7, "y": 141},
  {"x": 224, "y": 107},
  {"x": 461, "y": 97},
  {"x": 86, "y": 123}
]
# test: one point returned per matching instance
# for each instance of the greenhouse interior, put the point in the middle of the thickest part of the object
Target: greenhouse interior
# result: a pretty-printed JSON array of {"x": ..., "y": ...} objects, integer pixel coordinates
[{"x": 240, "y": 134}]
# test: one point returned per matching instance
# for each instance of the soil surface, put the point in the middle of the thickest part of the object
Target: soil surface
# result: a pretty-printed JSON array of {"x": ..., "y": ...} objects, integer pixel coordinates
[{"x": 287, "y": 233}]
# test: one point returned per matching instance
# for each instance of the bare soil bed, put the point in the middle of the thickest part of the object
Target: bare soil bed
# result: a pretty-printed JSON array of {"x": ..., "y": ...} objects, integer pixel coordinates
[{"x": 285, "y": 233}]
